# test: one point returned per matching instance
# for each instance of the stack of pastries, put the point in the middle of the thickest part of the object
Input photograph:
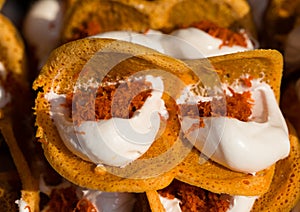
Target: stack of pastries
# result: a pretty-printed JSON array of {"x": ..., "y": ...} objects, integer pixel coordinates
[{"x": 148, "y": 106}]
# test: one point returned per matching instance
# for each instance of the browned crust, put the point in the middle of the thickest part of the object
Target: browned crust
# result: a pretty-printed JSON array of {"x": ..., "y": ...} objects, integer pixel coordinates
[
  {"x": 163, "y": 15},
  {"x": 70, "y": 58}
]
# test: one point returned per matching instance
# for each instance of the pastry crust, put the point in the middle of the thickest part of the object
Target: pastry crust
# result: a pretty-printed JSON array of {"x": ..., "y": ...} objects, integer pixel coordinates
[
  {"x": 69, "y": 60},
  {"x": 164, "y": 15}
]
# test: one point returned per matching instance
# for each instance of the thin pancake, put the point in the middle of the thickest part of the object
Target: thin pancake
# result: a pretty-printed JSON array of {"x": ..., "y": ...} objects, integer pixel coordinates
[
  {"x": 284, "y": 192},
  {"x": 97, "y": 16},
  {"x": 68, "y": 61}
]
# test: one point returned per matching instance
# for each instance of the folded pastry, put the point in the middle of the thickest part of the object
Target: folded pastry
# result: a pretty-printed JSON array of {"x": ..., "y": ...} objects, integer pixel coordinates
[
  {"x": 15, "y": 110},
  {"x": 58, "y": 194},
  {"x": 48, "y": 24},
  {"x": 282, "y": 195},
  {"x": 119, "y": 117},
  {"x": 94, "y": 16}
]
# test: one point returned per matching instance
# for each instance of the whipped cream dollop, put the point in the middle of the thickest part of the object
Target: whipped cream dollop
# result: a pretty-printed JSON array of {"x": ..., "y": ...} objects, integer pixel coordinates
[
  {"x": 110, "y": 201},
  {"x": 244, "y": 146},
  {"x": 238, "y": 204},
  {"x": 42, "y": 26},
  {"x": 170, "y": 205},
  {"x": 189, "y": 43},
  {"x": 5, "y": 97},
  {"x": 23, "y": 205},
  {"x": 102, "y": 201},
  {"x": 115, "y": 141}
]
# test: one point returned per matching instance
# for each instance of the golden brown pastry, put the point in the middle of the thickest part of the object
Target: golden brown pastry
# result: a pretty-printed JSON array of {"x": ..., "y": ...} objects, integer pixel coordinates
[
  {"x": 170, "y": 156},
  {"x": 94, "y": 16}
]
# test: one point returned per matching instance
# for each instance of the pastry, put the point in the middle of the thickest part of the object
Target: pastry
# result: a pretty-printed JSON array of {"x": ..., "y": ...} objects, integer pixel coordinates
[
  {"x": 92, "y": 17},
  {"x": 61, "y": 80}
]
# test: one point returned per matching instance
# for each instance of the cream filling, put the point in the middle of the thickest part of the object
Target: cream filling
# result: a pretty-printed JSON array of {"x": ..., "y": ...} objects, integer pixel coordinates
[
  {"x": 23, "y": 205},
  {"x": 110, "y": 201},
  {"x": 102, "y": 201},
  {"x": 190, "y": 43},
  {"x": 116, "y": 141},
  {"x": 244, "y": 146},
  {"x": 238, "y": 204}
]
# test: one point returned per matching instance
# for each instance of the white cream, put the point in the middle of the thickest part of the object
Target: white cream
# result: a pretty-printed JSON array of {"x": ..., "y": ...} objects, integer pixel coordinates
[
  {"x": 102, "y": 201},
  {"x": 5, "y": 97},
  {"x": 42, "y": 26},
  {"x": 238, "y": 204},
  {"x": 170, "y": 205},
  {"x": 190, "y": 43},
  {"x": 116, "y": 141},
  {"x": 242, "y": 204},
  {"x": 151, "y": 39},
  {"x": 23, "y": 206},
  {"x": 110, "y": 201},
  {"x": 197, "y": 41},
  {"x": 244, "y": 146}
]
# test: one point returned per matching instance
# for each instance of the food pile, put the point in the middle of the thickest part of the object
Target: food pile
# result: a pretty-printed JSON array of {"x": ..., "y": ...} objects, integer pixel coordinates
[{"x": 161, "y": 105}]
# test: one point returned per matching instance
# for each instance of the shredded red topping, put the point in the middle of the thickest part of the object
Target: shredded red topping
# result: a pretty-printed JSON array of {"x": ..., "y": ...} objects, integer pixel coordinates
[
  {"x": 237, "y": 105},
  {"x": 228, "y": 37},
  {"x": 194, "y": 199},
  {"x": 120, "y": 100},
  {"x": 84, "y": 205},
  {"x": 66, "y": 200},
  {"x": 87, "y": 28}
]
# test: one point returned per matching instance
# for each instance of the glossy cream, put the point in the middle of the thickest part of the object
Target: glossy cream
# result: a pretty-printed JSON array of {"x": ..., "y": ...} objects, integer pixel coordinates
[
  {"x": 23, "y": 206},
  {"x": 244, "y": 146},
  {"x": 110, "y": 201},
  {"x": 102, "y": 201},
  {"x": 170, "y": 205},
  {"x": 190, "y": 43},
  {"x": 116, "y": 141},
  {"x": 238, "y": 204}
]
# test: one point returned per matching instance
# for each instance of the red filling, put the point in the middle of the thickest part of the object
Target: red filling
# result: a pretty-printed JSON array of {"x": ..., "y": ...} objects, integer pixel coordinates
[
  {"x": 65, "y": 200},
  {"x": 194, "y": 199},
  {"x": 228, "y": 36},
  {"x": 119, "y": 100}
]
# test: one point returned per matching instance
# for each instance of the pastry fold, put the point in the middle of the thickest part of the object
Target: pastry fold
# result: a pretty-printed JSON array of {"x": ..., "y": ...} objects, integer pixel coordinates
[
  {"x": 94, "y": 16},
  {"x": 170, "y": 156}
]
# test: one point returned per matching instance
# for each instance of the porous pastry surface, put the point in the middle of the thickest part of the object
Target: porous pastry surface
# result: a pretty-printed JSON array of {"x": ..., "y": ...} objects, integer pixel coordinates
[{"x": 66, "y": 62}]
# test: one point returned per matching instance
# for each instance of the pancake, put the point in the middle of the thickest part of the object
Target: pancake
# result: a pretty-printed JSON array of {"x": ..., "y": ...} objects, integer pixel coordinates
[
  {"x": 283, "y": 193},
  {"x": 65, "y": 65},
  {"x": 94, "y": 16},
  {"x": 54, "y": 148}
]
